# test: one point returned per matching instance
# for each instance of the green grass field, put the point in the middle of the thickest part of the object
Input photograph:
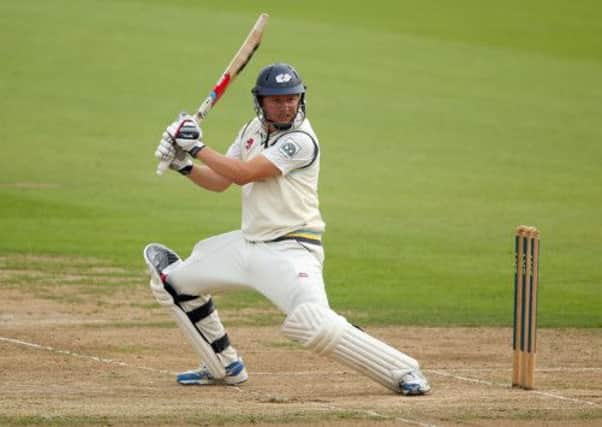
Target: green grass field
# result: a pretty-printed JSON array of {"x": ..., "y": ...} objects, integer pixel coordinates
[{"x": 443, "y": 126}]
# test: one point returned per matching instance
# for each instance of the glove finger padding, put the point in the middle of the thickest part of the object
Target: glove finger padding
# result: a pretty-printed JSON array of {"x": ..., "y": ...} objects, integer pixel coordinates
[
  {"x": 185, "y": 128},
  {"x": 165, "y": 150},
  {"x": 186, "y": 134},
  {"x": 189, "y": 130}
]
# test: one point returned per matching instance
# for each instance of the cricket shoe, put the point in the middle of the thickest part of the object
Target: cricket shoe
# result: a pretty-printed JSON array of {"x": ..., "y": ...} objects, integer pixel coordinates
[
  {"x": 235, "y": 374},
  {"x": 414, "y": 384}
]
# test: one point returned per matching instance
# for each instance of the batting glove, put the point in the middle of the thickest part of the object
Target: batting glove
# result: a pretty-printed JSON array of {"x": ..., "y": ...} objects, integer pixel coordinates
[
  {"x": 186, "y": 134},
  {"x": 177, "y": 158}
]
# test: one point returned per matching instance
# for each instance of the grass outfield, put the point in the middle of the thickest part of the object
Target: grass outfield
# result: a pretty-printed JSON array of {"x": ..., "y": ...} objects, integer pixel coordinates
[{"x": 442, "y": 128}]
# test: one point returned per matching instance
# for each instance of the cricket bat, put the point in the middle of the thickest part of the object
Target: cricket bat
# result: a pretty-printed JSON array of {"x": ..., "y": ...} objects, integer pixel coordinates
[{"x": 238, "y": 63}]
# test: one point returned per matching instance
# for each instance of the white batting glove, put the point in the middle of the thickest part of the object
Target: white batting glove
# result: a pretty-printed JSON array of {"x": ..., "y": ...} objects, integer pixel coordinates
[
  {"x": 181, "y": 163},
  {"x": 186, "y": 134},
  {"x": 176, "y": 157},
  {"x": 165, "y": 151}
]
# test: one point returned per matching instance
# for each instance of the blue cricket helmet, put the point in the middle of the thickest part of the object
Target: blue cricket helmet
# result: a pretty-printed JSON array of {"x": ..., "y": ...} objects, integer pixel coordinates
[{"x": 279, "y": 79}]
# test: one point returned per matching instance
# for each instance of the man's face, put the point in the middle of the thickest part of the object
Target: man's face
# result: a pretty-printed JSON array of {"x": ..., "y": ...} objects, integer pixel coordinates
[{"x": 280, "y": 108}]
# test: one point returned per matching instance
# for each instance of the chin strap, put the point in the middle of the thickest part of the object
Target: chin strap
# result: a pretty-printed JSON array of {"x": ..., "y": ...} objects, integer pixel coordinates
[{"x": 282, "y": 126}]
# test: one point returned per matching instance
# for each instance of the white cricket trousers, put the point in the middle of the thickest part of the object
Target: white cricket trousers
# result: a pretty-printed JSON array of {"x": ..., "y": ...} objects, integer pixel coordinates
[{"x": 288, "y": 273}]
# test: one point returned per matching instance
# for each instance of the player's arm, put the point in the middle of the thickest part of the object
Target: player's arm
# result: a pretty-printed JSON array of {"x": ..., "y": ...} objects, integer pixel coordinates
[
  {"x": 235, "y": 170},
  {"x": 205, "y": 177},
  {"x": 296, "y": 150},
  {"x": 185, "y": 137},
  {"x": 220, "y": 171},
  {"x": 202, "y": 176}
]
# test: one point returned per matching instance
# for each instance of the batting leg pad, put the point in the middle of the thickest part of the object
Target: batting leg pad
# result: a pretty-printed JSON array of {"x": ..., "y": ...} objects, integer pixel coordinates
[
  {"x": 157, "y": 258},
  {"x": 322, "y": 330}
]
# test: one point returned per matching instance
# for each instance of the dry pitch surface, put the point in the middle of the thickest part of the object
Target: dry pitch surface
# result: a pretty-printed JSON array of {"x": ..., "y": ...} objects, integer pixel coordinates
[{"x": 75, "y": 354}]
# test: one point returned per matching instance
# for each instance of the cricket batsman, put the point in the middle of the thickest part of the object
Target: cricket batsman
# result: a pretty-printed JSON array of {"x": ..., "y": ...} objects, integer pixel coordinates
[{"x": 275, "y": 158}]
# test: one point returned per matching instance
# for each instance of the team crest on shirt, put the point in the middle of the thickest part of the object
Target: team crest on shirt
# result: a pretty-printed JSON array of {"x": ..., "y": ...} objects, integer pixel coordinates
[
  {"x": 249, "y": 143},
  {"x": 289, "y": 148}
]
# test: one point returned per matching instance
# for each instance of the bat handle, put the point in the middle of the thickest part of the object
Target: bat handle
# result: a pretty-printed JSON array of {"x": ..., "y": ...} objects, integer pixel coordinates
[{"x": 162, "y": 167}]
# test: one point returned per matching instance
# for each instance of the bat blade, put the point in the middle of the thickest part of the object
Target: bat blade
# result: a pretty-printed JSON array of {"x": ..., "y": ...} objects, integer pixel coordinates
[{"x": 234, "y": 68}]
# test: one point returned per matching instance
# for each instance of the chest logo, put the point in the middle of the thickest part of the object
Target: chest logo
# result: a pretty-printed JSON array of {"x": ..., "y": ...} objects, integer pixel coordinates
[{"x": 249, "y": 143}]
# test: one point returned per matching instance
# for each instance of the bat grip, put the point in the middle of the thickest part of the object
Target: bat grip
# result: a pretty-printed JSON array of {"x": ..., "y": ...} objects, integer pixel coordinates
[{"x": 162, "y": 167}]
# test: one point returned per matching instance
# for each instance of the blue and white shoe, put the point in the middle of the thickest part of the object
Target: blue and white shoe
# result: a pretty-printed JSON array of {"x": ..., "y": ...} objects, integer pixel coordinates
[
  {"x": 414, "y": 383},
  {"x": 235, "y": 374}
]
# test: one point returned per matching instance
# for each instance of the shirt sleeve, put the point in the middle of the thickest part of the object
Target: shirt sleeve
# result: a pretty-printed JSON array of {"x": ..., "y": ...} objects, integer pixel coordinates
[
  {"x": 234, "y": 151},
  {"x": 293, "y": 151}
]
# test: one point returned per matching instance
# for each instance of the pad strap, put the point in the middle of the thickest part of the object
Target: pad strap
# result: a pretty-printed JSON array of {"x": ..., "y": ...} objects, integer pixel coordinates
[{"x": 201, "y": 312}]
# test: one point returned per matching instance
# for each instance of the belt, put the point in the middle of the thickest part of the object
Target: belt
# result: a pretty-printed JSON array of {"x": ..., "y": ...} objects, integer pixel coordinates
[{"x": 306, "y": 236}]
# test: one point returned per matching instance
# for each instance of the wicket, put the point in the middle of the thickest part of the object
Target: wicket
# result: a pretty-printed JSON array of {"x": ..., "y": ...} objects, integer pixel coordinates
[{"x": 526, "y": 272}]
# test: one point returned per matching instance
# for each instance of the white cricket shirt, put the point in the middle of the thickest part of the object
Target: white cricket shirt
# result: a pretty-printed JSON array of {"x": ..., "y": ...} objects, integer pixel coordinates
[{"x": 288, "y": 202}]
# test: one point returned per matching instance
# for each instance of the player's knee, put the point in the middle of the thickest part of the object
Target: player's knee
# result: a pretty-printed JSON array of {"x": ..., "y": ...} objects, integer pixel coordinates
[
  {"x": 315, "y": 326},
  {"x": 158, "y": 258}
]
